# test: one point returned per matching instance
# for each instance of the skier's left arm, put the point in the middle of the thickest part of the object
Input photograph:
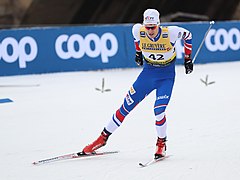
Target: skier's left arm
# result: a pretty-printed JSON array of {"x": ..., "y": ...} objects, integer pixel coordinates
[{"x": 177, "y": 33}]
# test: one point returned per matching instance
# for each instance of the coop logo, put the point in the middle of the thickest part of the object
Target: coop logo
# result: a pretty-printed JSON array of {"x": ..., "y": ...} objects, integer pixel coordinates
[
  {"x": 76, "y": 46},
  {"x": 24, "y": 51},
  {"x": 221, "y": 39}
]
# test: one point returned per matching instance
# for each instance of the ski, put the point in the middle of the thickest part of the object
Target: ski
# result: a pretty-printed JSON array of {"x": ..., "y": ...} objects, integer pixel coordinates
[
  {"x": 153, "y": 161},
  {"x": 72, "y": 156}
]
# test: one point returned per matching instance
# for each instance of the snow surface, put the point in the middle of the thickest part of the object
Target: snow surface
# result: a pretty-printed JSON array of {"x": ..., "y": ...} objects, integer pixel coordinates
[{"x": 56, "y": 114}]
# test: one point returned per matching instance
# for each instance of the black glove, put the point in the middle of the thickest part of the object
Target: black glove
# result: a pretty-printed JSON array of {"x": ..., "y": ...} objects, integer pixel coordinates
[
  {"x": 139, "y": 58},
  {"x": 188, "y": 64}
]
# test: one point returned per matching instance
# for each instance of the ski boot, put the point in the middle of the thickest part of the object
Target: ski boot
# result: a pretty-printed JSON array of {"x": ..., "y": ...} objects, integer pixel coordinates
[
  {"x": 160, "y": 148},
  {"x": 99, "y": 142}
]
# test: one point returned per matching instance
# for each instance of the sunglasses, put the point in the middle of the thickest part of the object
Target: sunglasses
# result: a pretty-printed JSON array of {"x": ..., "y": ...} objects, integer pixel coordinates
[{"x": 151, "y": 27}]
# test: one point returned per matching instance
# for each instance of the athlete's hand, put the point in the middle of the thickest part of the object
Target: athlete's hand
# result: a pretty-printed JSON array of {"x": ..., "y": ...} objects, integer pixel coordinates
[
  {"x": 188, "y": 64},
  {"x": 139, "y": 58}
]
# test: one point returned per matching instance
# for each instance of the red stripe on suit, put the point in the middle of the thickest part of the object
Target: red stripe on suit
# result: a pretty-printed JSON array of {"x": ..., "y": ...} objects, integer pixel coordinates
[
  {"x": 119, "y": 115},
  {"x": 160, "y": 123}
]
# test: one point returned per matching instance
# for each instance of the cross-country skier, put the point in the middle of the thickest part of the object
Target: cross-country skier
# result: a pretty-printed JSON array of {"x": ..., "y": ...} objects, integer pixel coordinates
[{"x": 155, "y": 49}]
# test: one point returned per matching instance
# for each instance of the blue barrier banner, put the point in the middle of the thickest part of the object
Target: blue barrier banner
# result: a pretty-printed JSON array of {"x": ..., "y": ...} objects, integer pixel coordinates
[
  {"x": 5, "y": 100},
  {"x": 60, "y": 49}
]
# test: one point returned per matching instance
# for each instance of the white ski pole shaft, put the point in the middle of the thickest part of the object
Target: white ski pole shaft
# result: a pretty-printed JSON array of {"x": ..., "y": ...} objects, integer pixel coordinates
[{"x": 199, "y": 48}]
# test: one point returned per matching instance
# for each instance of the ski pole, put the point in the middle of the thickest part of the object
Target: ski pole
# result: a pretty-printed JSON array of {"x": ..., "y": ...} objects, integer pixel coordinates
[{"x": 198, "y": 50}]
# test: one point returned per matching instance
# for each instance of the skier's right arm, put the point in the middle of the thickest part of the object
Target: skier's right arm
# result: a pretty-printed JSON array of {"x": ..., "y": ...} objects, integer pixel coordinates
[{"x": 135, "y": 32}]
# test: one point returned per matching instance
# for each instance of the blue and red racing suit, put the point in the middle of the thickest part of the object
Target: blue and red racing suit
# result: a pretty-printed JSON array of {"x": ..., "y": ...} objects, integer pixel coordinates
[{"x": 158, "y": 73}]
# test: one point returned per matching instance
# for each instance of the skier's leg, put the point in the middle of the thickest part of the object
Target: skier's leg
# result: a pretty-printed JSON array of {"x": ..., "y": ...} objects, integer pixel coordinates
[
  {"x": 163, "y": 95},
  {"x": 140, "y": 89}
]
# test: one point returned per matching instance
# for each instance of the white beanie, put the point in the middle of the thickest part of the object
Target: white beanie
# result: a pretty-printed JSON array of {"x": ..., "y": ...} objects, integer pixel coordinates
[{"x": 151, "y": 16}]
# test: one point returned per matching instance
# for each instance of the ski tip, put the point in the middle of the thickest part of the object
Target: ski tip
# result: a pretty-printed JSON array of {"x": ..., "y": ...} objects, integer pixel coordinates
[{"x": 153, "y": 161}]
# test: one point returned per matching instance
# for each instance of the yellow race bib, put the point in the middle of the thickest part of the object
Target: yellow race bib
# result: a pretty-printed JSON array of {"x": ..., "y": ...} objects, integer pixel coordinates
[{"x": 157, "y": 53}]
